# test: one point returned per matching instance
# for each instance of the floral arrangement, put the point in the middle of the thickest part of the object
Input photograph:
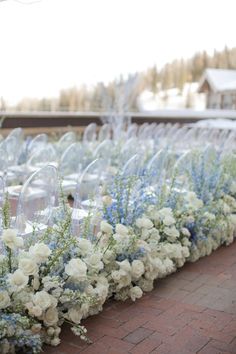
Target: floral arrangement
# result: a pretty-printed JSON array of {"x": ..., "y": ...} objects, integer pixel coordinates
[{"x": 146, "y": 233}]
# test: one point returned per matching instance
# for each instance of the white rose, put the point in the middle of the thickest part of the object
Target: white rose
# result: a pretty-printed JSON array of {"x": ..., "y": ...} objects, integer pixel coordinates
[
  {"x": 36, "y": 328},
  {"x": 107, "y": 200},
  {"x": 108, "y": 256},
  {"x": 18, "y": 279},
  {"x": 185, "y": 232},
  {"x": 125, "y": 265},
  {"x": 10, "y": 239},
  {"x": 3, "y": 259},
  {"x": 55, "y": 342},
  {"x": 168, "y": 220},
  {"x": 74, "y": 314},
  {"x": 5, "y": 300},
  {"x": 84, "y": 246},
  {"x": 28, "y": 266},
  {"x": 105, "y": 227},
  {"x": 193, "y": 202},
  {"x": 40, "y": 252},
  {"x": 172, "y": 232},
  {"x": 144, "y": 223},
  {"x": 137, "y": 269},
  {"x": 76, "y": 269},
  {"x": 94, "y": 262},
  {"x": 50, "y": 317},
  {"x": 121, "y": 230},
  {"x": 209, "y": 216},
  {"x": 35, "y": 311},
  {"x": 136, "y": 293},
  {"x": 43, "y": 300},
  {"x": 36, "y": 283},
  {"x": 165, "y": 212},
  {"x": 232, "y": 219}
]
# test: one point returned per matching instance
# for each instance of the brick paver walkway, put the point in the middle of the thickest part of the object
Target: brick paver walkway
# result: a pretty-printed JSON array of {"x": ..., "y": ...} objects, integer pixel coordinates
[{"x": 191, "y": 311}]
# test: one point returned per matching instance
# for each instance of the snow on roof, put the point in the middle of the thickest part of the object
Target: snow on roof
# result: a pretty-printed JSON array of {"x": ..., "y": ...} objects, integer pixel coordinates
[
  {"x": 219, "y": 80},
  {"x": 216, "y": 123}
]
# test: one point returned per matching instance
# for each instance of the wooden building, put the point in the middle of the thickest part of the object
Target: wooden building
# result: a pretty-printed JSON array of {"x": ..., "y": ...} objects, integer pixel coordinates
[{"x": 219, "y": 85}]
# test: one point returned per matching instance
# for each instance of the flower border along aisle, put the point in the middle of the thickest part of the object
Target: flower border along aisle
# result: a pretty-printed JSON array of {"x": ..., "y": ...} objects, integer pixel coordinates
[{"x": 146, "y": 233}]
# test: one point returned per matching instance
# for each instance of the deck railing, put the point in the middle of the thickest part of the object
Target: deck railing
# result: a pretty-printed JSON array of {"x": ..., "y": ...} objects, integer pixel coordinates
[{"x": 79, "y": 119}]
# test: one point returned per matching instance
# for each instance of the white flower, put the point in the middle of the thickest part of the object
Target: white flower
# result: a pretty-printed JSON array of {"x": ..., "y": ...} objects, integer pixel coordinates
[
  {"x": 40, "y": 252},
  {"x": 74, "y": 314},
  {"x": 172, "y": 232},
  {"x": 121, "y": 277},
  {"x": 2, "y": 259},
  {"x": 28, "y": 266},
  {"x": 50, "y": 331},
  {"x": 18, "y": 280},
  {"x": 136, "y": 293},
  {"x": 137, "y": 269},
  {"x": 232, "y": 219},
  {"x": 50, "y": 317},
  {"x": 105, "y": 227},
  {"x": 144, "y": 223},
  {"x": 192, "y": 201},
  {"x": 84, "y": 246},
  {"x": 36, "y": 328},
  {"x": 36, "y": 283},
  {"x": 185, "y": 232},
  {"x": 77, "y": 269},
  {"x": 108, "y": 256},
  {"x": 55, "y": 341},
  {"x": 35, "y": 311},
  {"x": 165, "y": 212},
  {"x": 5, "y": 300},
  {"x": 121, "y": 230},
  {"x": 107, "y": 200},
  {"x": 94, "y": 262},
  {"x": 44, "y": 300},
  {"x": 168, "y": 220},
  {"x": 125, "y": 265},
  {"x": 10, "y": 239}
]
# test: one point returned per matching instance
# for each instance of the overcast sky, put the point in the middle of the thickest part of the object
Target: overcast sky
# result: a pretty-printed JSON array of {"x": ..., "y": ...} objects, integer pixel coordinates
[{"x": 55, "y": 44}]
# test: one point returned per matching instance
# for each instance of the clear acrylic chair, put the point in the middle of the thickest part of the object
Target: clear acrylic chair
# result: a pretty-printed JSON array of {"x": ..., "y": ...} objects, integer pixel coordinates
[
  {"x": 87, "y": 199},
  {"x": 133, "y": 166},
  {"x": 104, "y": 150},
  {"x": 38, "y": 142},
  {"x": 104, "y": 132},
  {"x": 65, "y": 141},
  {"x": 90, "y": 133},
  {"x": 2, "y": 195},
  {"x": 132, "y": 131},
  {"x": 17, "y": 133},
  {"x": 36, "y": 201},
  {"x": 70, "y": 167},
  {"x": 41, "y": 157}
]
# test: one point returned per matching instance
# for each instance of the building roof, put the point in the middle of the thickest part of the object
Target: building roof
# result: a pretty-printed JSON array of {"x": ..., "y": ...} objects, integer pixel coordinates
[{"x": 219, "y": 80}]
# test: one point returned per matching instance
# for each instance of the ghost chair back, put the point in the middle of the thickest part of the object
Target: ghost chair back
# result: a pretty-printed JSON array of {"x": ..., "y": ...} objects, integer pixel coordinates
[
  {"x": 37, "y": 143},
  {"x": 12, "y": 146},
  {"x": 88, "y": 193},
  {"x": 65, "y": 141},
  {"x": 104, "y": 132},
  {"x": 17, "y": 133},
  {"x": 70, "y": 167},
  {"x": 132, "y": 131},
  {"x": 2, "y": 195},
  {"x": 90, "y": 133},
  {"x": 42, "y": 157},
  {"x": 37, "y": 199},
  {"x": 104, "y": 150},
  {"x": 133, "y": 166}
]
